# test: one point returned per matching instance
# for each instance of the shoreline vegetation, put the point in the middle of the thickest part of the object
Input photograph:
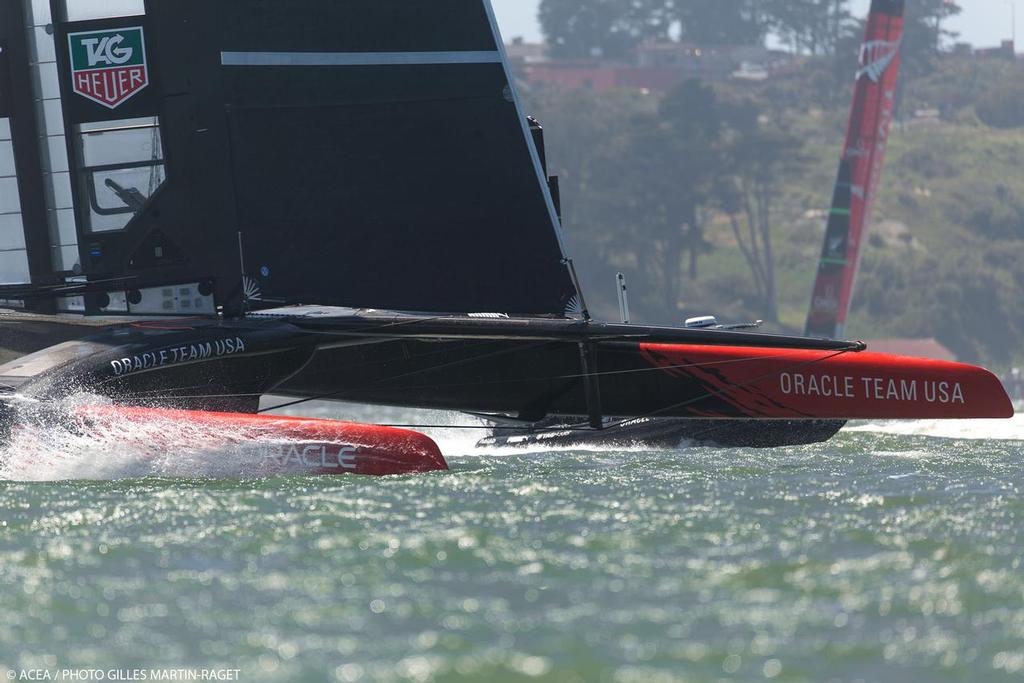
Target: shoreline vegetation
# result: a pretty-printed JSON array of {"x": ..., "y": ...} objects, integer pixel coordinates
[{"x": 711, "y": 198}]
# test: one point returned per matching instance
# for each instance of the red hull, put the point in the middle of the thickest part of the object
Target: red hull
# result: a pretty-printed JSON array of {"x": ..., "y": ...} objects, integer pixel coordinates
[
  {"x": 788, "y": 383},
  {"x": 270, "y": 445}
]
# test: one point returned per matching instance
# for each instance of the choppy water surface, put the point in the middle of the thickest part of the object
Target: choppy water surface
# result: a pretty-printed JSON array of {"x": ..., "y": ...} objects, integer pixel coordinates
[{"x": 890, "y": 554}]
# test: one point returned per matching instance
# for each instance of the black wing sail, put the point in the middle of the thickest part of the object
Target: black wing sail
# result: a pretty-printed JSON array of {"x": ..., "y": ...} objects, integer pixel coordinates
[
  {"x": 381, "y": 160},
  {"x": 366, "y": 153}
]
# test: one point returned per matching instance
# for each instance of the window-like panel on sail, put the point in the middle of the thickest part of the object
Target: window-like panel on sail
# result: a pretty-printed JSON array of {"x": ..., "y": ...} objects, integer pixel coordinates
[
  {"x": 63, "y": 221},
  {"x": 58, "y": 195},
  {"x": 10, "y": 202},
  {"x": 56, "y": 160},
  {"x": 52, "y": 142},
  {"x": 7, "y": 169},
  {"x": 14, "y": 268},
  {"x": 12, "y": 234},
  {"x": 39, "y": 12},
  {"x": 67, "y": 254},
  {"x": 13, "y": 256},
  {"x": 83, "y": 10},
  {"x": 122, "y": 168},
  {"x": 121, "y": 142},
  {"x": 5, "y": 85},
  {"x": 40, "y": 42},
  {"x": 46, "y": 75}
]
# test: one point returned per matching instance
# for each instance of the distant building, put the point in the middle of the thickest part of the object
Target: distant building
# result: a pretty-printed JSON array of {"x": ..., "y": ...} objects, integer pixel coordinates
[
  {"x": 1007, "y": 50},
  {"x": 655, "y": 67},
  {"x": 915, "y": 348},
  {"x": 521, "y": 52}
]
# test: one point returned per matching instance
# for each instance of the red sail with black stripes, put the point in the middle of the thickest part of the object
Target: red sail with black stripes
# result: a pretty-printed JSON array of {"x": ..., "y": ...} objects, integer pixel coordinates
[{"x": 859, "y": 170}]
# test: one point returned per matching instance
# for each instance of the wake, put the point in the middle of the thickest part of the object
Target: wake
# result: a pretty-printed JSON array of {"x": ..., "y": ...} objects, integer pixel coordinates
[
  {"x": 46, "y": 445},
  {"x": 979, "y": 430},
  {"x": 55, "y": 443}
]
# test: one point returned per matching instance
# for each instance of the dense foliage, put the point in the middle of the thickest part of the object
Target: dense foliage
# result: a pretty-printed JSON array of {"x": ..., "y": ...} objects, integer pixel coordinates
[
  {"x": 711, "y": 199},
  {"x": 582, "y": 29}
]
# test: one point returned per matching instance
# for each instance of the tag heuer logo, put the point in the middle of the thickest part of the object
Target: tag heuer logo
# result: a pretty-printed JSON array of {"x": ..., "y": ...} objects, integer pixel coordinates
[{"x": 109, "y": 67}]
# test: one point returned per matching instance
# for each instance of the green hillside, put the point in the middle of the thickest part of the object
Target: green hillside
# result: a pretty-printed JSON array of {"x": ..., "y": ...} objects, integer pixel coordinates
[{"x": 945, "y": 257}]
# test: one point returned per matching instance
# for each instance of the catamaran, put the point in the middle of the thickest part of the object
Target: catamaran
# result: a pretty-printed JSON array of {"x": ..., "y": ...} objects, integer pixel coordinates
[
  {"x": 344, "y": 201},
  {"x": 860, "y": 171}
]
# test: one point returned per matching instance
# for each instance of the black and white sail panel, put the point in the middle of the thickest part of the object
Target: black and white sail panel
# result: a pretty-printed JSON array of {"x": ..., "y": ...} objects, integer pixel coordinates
[
  {"x": 28, "y": 193},
  {"x": 13, "y": 255},
  {"x": 380, "y": 158},
  {"x": 366, "y": 153}
]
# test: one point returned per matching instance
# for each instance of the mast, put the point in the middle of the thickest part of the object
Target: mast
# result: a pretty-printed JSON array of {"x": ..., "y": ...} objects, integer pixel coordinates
[
  {"x": 371, "y": 153},
  {"x": 860, "y": 169}
]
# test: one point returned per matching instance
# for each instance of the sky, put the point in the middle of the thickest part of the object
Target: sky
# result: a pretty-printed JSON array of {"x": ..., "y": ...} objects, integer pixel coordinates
[{"x": 984, "y": 22}]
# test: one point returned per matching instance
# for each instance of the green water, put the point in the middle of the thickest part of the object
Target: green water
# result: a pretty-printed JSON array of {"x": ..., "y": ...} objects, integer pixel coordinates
[{"x": 878, "y": 557}]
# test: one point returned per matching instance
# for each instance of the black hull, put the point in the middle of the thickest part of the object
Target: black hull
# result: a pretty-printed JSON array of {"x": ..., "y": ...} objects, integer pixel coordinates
[
  {"x": 668, "y": 433},
  {"x": 525, "y": 369}
]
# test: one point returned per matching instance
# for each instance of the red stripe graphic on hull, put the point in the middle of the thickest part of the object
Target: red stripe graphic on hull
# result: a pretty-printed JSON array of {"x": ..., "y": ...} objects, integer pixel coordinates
[{"x": 792, "y": 383}]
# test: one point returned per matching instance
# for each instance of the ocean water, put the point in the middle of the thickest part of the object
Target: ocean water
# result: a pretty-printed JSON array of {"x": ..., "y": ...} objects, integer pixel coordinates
[{"x": 893, "y": 553}]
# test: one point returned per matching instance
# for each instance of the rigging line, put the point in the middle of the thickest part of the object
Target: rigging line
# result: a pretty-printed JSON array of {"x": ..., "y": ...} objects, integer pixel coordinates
[
  {"x": 388, "y": 101},
  {"x": 463, "y": 361},
  {"x": 654, "y": 414},
  {"x": 461, "y": 336},
  {"x": 613, "y": 373},
  {"x": 735, "y": 387},
  {"x": 296, "y": 322},
  {"x": 268, "y": 353},
  {"x": 167, "y": 396}
]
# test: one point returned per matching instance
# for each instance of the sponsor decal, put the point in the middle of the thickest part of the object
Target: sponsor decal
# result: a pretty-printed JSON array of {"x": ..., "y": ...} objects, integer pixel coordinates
[
  {"x": 320, "y": 456},
  {"x": 826, "y": 304},
  {"x": 574, "y": 309},
  {"x": 251, "y": 288},
  {"x": 876, "y": 56},
  {"x": 109, "y": 67},
  {"x": 176, "y": 355},
  {"x": 858, "y": 150},
  {"x": 871, "y": 388}
]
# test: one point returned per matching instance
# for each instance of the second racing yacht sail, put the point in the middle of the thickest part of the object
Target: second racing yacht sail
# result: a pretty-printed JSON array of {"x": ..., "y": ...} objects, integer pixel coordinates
[{"x": 859, "y": 170}]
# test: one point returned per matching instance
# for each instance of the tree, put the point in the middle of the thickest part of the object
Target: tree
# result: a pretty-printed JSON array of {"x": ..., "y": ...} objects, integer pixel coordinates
[
  {"x": 759, "y": 160},
  {"x": 925, "y": 33},
  {"x": 577, "y": 29},
  {"x": 1002, "y": 106},
  {"x": 721, "y": 22},
  {"x": 653, "y": 186},
  {"x": 587, "y": 137},
  {"x": 816, "y": 27}
]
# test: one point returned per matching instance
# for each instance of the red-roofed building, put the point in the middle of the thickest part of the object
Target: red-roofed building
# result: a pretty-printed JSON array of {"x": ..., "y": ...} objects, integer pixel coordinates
[{"x": 916, "y": 348}]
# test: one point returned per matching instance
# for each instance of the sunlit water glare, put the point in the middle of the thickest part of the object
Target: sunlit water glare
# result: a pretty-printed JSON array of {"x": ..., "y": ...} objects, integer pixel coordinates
[{"x": 892, "y": 553}]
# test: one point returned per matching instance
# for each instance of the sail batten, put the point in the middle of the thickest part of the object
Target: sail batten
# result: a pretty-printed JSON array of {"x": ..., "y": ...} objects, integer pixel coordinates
[{"x": 302, "y": 59}]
